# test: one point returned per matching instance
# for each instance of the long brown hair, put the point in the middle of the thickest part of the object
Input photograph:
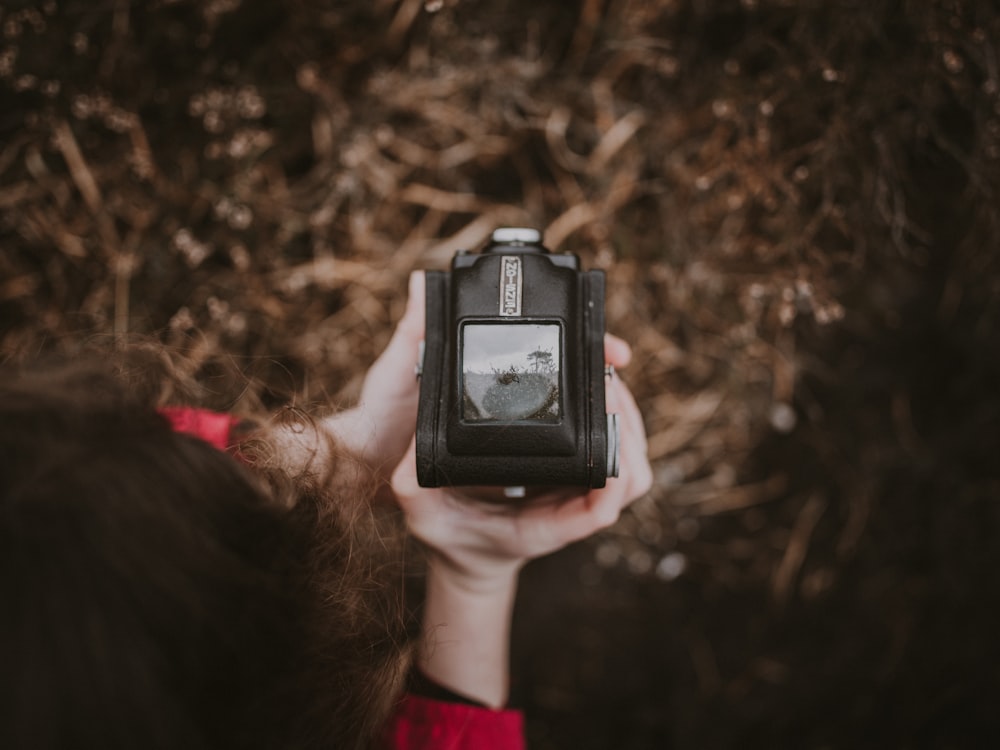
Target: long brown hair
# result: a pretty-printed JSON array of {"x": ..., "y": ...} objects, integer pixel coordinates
[{"x": 156, "y": 592}]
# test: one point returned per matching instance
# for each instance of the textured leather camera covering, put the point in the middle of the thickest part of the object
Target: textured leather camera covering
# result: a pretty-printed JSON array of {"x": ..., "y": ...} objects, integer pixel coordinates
[
  {"x": 435, "y": 341},
  {"x": 451, "y": 451}
]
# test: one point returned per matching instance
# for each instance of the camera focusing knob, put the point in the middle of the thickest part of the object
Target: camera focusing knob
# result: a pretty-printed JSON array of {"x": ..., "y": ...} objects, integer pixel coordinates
[
  {"x": 614, "y": 445},
  {"x": 516, "y": 236}
]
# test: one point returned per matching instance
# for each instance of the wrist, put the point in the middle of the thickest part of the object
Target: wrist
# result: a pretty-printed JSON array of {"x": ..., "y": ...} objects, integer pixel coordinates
[
  {"x": 466, "y": 631},
  {"x": 474, "y": 577}
]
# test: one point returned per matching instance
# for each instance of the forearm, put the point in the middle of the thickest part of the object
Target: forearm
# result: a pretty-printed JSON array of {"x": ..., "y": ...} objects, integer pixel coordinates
[
  {"x": 466, "y": 632},
  {"x": 376, "y": 443},
  {"x": 313, "y": 447},
  {"x": 304, "y": 448}
]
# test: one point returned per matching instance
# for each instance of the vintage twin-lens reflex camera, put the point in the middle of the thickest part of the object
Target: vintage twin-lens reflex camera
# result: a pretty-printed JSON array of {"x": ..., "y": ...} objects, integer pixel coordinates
[{"x": 512, "y": 372}]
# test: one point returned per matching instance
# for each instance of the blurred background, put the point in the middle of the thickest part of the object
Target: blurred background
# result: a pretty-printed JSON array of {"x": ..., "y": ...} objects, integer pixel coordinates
[{"x": 796, "y": 205}]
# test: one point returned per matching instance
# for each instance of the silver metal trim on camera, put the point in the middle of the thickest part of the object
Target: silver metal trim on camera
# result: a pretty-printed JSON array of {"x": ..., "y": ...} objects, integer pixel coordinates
[
  {"x": 418, "y": 369},
  {"x": 614, "y": 445},
  {"x": 511, "y": 286}
]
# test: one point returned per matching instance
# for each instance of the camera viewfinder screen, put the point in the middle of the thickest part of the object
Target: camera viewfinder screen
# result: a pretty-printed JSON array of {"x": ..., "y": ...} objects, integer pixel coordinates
[{"x": 510, "y": 372}]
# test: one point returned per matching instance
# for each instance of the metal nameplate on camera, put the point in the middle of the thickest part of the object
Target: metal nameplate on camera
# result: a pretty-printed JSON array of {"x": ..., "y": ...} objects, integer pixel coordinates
[{"x": 510, "y": 286}]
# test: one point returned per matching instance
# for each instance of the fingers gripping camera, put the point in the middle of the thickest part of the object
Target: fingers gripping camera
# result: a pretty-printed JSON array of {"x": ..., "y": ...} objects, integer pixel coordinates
[{"x": 512, "y": 373}]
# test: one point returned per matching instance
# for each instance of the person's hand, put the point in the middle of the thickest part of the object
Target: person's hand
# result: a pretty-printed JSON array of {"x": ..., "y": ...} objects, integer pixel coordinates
[
  {"x": 380, "y": 427},
  {"x": 480, "y": 542},
  {"x": 476, "y": 549}
]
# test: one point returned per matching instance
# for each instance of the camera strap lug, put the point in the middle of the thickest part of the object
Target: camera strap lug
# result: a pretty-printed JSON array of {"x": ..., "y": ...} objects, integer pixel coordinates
[{"x": 418, "y": 369}]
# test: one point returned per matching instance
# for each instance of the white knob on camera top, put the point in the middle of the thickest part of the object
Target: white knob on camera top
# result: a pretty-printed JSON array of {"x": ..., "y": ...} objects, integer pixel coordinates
[{"x": 517, "y": 236}]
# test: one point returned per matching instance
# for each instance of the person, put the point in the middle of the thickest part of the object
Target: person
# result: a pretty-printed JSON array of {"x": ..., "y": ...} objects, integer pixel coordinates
[{"x": 174, "y": 577}]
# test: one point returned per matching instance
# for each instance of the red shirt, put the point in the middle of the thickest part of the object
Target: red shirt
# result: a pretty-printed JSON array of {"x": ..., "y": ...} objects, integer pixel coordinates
[
  {"x": 420, "y": 723},
  {"x": 210, "y": 426}
]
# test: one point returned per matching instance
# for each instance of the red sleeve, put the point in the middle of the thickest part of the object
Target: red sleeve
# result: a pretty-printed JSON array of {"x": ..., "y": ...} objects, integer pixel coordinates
[
  {"x": 212, "y": 427},
  {"x": 425, "y": 724}
]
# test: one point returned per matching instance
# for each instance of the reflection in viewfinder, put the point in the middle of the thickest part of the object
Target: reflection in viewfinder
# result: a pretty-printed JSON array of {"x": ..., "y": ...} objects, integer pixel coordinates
[{"x": 510, "y": 372}]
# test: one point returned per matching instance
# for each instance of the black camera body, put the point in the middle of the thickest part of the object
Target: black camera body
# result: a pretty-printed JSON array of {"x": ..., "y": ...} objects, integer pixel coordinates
[{"x": 512, "y": 377}]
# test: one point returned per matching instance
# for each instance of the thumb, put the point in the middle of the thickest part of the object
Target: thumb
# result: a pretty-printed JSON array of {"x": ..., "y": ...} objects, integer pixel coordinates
[{"x": 391, "y": 372}]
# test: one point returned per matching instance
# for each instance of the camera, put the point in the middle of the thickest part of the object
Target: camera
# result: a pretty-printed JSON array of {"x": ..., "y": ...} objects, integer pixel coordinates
[{"x": 512, "y": 373}]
